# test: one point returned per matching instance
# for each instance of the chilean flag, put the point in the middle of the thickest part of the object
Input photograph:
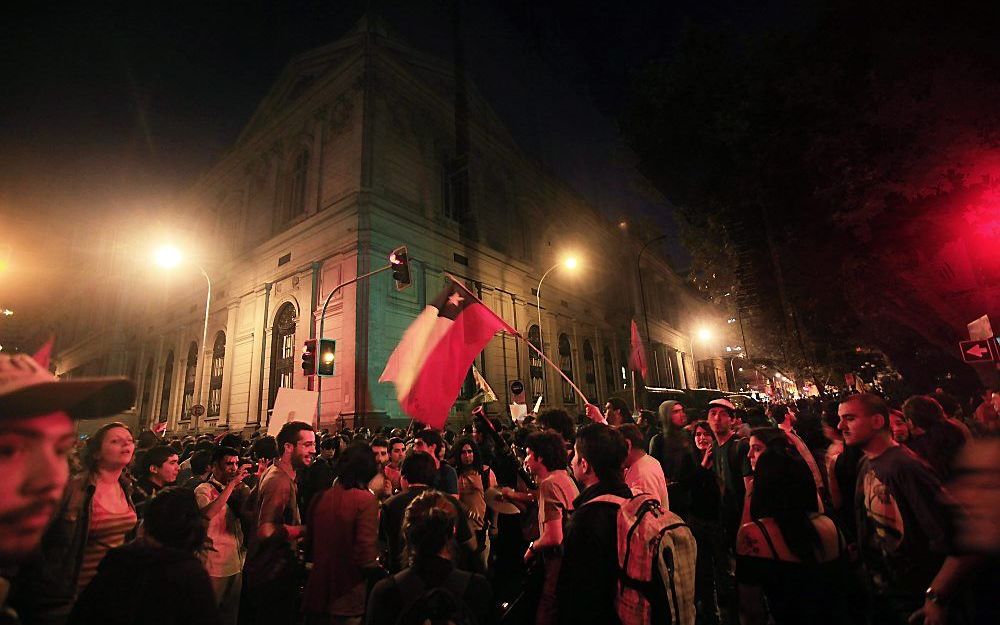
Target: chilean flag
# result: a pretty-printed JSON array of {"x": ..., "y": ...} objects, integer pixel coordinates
[{"x": 432, "y": 359}]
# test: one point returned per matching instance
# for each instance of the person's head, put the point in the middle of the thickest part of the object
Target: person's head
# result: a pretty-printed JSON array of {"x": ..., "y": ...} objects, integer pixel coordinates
[
  {"x": 110, "y": 448},
  {"x": 600, "y": 454},
  {"x": 264, "y": 448},
  {"x": 764, "y": 439},
  {"x": 720, "y": 417},
  {"x": 863, "y": 417},
  {"x": 328, "y": 447},
  {"x": 147, "y": 440},
  {"x": 634, "y": 440},
  {"x": 703, "y": 435},
  {"x": 173, "y": 519},
  {"x": 616, "y": 411},
  {"x": 645, "y": 419},
  {"x": 923, "y": 411},
  {"x": 465, "y": 455},
  {"x": 297, "y": 443},
  {"x": 161, "y": 465},
  {"x": 779, "y": 413},
  {"x": 951, "y": 406},
  {"x": 380, "y": 449},
  {"x": 559, "y": 422},
  {"x": 784, "y": 490},
  {"x": 428, "y": 441},
  {"x": 225, "y": 464},
  {"x": 672, "y": 415},
  {"x": 201, "y": 463},
  {"x": 899, "y": 425},
  {"x": 397, "y": 450},
  {"x": 418, "y": 469},
  {"x": 357, "y": 466},
  {"x": 428, "y": 525},
  {"x": 545, "y": 448}
]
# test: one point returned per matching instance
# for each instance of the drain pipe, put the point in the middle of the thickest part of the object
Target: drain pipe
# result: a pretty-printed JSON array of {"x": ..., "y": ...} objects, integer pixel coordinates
[{"x": 263, "y": 351}]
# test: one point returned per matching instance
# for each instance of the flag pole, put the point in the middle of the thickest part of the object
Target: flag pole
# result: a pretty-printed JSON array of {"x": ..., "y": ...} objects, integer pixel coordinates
[
  {"x": 553, "y": 365},
  {"x": 635, "y": 406}
]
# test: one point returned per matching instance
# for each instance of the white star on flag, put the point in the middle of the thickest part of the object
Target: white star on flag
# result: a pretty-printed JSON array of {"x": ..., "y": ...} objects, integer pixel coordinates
[{"x": 455, "y": 299}]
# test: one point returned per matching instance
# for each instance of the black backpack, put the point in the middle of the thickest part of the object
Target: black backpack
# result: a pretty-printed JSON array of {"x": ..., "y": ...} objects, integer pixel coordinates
[{"x": 437, "y": 606}]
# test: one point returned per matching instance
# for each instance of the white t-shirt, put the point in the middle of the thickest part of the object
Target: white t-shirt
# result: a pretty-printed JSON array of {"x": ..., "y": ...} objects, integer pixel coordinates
[
  {"x": 646, "y": 476},
  {"x": 227, "y": 549}
]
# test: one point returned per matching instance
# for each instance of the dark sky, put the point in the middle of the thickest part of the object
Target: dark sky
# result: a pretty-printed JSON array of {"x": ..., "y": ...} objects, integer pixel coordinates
[{"x": 109, "y": 108}]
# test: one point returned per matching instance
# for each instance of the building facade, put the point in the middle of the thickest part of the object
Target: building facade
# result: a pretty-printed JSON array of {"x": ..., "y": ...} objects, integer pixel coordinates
[{"x": 355, "y": 151}]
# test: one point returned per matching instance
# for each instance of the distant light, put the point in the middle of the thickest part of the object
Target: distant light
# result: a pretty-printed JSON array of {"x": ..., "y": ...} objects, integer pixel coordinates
[
  {"x": 570, "y": 262},
  {"x": 741, "y": 368},
  {"x": 704, "y": 334},
  {"x": 623, "y": 225},
  {"x": 730, "y": 320},
  {"x": 167, "y": 256},
  {"x": 327, "y": 357},
  {"x": 7, "y": 312}
]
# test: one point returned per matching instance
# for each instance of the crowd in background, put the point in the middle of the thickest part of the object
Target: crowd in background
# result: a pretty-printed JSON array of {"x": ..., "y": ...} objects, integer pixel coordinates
[{"x": 826, "y": 510}]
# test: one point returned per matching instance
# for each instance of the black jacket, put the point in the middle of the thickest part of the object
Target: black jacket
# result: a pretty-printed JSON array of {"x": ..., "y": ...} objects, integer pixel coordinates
[
  {"x": 387, "y": 601},
  {"x": 390, "y": 528},
  {"x": 144, "y": 584},
  {"x": 588, "y": 576}
]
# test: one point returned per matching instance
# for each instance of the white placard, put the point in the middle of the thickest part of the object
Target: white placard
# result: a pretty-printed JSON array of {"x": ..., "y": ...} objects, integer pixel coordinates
[
  {"x": 518, "y": 412},
  {"x": 292, "y": 404}
]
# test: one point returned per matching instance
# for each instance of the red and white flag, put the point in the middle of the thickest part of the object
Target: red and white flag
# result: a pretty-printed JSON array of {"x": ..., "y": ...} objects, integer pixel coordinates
[
  {"x": 637, "y": 357},
  {"x": 432, "y": 359}
]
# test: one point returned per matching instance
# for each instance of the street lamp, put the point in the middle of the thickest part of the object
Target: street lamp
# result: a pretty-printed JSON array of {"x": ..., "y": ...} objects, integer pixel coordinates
[
  {"x": 169, "y": 257},
  {"x": 570, "y": 262}
]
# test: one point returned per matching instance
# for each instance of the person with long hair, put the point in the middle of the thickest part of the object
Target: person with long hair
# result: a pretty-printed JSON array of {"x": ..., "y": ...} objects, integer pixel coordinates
[
  {"x": 96, "y": 515},
  {"x": 474, "y": 478},
  {"x": 409, "y": 596},
  {"x": 932, "y": 436},
  {"x": 789, "y": 553},
  {"x": 704, "y": 517},
  {"x": 139, "y": 583},
  {"x": 342, "y": 538}
]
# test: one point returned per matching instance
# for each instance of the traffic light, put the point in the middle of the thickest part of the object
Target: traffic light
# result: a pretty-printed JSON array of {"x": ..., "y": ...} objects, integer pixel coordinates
[
  {"x": 326, "y": 360},
  {"x": 400, "y": 267},
  {"x": 309, "y": 358}
]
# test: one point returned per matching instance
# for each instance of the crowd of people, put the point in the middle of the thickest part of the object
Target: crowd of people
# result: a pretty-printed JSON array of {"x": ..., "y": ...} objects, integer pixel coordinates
[{"x": 830, "y": 510}]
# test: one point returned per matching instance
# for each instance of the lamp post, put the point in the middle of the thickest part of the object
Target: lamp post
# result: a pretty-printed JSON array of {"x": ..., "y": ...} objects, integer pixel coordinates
[
  {"x": 642, "y": 294},
  {"x": 569, "y": 263},
  {"x": 169, "y": 257}
]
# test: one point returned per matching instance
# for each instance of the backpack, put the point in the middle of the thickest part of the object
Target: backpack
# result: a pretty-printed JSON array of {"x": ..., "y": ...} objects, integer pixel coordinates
[
  {"x": 442, "y": 605},
  {"x": 656, "y": 560}
]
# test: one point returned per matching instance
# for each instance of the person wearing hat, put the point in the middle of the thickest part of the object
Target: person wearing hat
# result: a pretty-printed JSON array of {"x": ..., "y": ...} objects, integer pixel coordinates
[{"x": 37, "y": 435}]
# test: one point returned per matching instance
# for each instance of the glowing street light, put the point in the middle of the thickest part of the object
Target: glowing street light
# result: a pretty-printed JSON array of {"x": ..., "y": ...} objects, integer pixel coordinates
[
  {"x": 570, "y": 262},
  {"x": 168, "y": 257},
  {"x": 704, "y": 335}
]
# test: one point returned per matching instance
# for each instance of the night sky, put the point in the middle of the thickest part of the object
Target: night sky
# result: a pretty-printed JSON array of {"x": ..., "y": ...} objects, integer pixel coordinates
[{"x": 117, "y": 108}]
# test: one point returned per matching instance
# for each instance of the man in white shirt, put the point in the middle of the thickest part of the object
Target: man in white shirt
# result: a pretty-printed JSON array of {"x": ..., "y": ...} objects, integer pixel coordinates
[
  {"x": 643, "y": 473},
  {"x": 220, "y": 499}
]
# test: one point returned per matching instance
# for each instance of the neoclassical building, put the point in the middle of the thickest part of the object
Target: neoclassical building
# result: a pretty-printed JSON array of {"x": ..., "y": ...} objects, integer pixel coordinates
[{"x": 360, "y": 146}]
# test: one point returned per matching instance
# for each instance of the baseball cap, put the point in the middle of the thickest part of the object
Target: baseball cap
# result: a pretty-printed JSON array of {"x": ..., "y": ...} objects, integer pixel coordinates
[
  {"x": 28, "y": 389},
  {"x": 722, "y": 403}
]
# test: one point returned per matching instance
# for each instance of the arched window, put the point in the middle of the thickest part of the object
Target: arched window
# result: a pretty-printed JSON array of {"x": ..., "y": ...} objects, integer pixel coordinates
[
  {"x": 609, "y": 373},
  {"x": 589, "y": 371},
  {"x": 282, "y": 351},
  {"x": 535, "y": 364},
  {"x": 190, "y": 373},
  {"x": 215, "y": 383},
  {"x": 566, "y": 364},
  {"x": 297, "y": 185},
  {"x": 147, "y": 394},
  {"x": 168, "y": 375}
]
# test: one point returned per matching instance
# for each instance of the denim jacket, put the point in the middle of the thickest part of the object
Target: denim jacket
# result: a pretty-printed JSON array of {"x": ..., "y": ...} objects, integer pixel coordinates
[{"x": 47, "y": 584}]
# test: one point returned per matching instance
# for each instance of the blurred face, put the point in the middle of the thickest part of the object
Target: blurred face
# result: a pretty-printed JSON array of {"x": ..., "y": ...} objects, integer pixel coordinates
[
  {"x": 613, "y": 415},
  {"x": 677, "y": 416},
  {"x": 857, "y": 426},
  {"x": 397, "y": 453},
  {"x": 381, "y": 455},
  {"x": 900, "y": 428},
  {"x": 477, "y": 435},
  {"x": 703, "y": 439},
  {"x": 226, "y": 469},
  {"x": 581, "y": 469},
  {"x": 466, "y": 455},
  {"x": 422, "y": 446},
  {"x": 532, "y": 463},
  {"x": 167, "y": 472},
  {"x": 117, "y": 449},
  {"x": 757, "y": 447},
  {"x": 720, "y": 421},
  {"x": 34, "y": 453},
  {"x": 305, "y": 447}
]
